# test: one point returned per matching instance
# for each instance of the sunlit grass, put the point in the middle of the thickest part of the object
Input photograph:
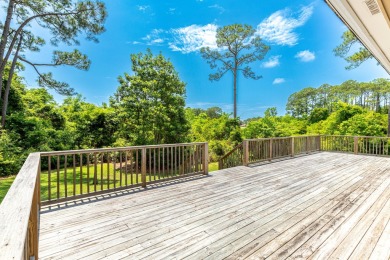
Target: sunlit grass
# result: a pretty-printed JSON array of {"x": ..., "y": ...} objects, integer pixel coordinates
[
  {"x": 5, "y": 183},
  {"x": 213, "y": 166}
]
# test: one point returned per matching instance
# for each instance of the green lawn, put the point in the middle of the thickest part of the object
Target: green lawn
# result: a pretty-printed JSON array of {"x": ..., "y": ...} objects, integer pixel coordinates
[
  {"x": 5, "y": 183},
  {"x": 213, "y": 166},
  {"x": 106, "y": 178}
]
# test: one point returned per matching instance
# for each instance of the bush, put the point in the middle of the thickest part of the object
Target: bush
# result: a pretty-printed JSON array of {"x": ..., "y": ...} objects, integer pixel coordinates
[{"x": 11, "y": 157}]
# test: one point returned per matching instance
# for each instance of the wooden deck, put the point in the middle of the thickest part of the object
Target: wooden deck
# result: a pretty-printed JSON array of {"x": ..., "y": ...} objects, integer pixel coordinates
[{"x": 325, "y": 205}]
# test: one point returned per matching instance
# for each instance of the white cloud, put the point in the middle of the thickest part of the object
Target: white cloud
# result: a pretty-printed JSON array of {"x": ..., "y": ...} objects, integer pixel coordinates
[
  {"x": 279, "y": 27},
  {"x": 192, "y": 38},
  {"x": 143, "y": 8},
  {"x": 171, "y": 10},
  {"x": 305, "y": 56},
  {"x": 278, "y": 81},
  {"x": 154, "y": 37},
  {"x": 218, "y": 7},
  {"x": 156, "y": 41},
  {"x": 273, "y": 61}
]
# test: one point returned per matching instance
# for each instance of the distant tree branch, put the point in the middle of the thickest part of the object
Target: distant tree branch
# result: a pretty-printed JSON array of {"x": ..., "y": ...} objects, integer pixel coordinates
[{"x": 28, "y": 20}]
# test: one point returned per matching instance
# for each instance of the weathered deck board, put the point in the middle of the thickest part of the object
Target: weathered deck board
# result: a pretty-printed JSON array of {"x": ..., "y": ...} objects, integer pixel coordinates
[{"x": 324, "y": 204}]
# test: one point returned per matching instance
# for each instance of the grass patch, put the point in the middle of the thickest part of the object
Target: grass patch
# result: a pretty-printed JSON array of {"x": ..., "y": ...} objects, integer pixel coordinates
[
  {"x": 5, "y": 183},
  {"x": 213, "y": 166}
]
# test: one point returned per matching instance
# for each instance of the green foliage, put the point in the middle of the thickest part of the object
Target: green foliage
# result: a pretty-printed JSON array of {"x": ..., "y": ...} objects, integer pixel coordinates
[
  {"x": 353, "y": 59},
  {"x": 271, "y": 112},
  {"x": 150, "y": 104},
  {"x": 212, "y": 112},
  {"x": 9, "y": 159},
  {"x": 274, "y": 127},
  {"x": 318, "y": 114},
  {"x": 222, "y": 133},
  {"x": 374, "y": 95},
  {"x": 351, "y": 120},
  {"x": 367, "y": 124},
  {"x": 91, "y": 126}
]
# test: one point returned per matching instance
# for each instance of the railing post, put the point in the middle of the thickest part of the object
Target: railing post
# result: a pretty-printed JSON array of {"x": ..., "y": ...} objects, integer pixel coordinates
[
  {"x": 39, "y": 183},
  {"x": 319, "y": 143},
  {"x": 292, "y": 146},
  {"x": 32, "y": 233},
  {"x": 270, "y": 149},
  {"x": 143, "y": 167},
  {"x": 355, "y": 145},
  {"x": 307, "y": 144},
  {"x": 205, "y": 159},
  {"x": 245, "y": 147},
  {"x": 196, "y": 158}
]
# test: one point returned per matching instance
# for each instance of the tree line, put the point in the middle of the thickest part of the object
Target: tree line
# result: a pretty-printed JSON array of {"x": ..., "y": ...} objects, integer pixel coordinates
[{"x": 374, "y": 95}]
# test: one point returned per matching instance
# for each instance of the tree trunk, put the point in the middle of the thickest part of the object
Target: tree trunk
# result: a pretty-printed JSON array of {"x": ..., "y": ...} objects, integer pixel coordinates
[
  {"x": 4, "y": 39},
  {"x": 235, "y": 85},
  {"x": 8, "y": 86},
  {"x": 235, "y": 93}
]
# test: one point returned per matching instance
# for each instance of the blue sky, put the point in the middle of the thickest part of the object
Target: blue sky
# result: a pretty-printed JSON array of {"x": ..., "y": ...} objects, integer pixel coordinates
[{"x": 301, "y": 34}]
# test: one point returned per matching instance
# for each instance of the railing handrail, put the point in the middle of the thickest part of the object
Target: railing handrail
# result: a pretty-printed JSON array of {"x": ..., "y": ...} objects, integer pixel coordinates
[
  {"x": 278, "y": 138},
  {"x": 359, "y": 136},
  {"x": 15, "y": 217},
  {"x": 232, "y": 151},
  {"x": 115, "y": 149}
]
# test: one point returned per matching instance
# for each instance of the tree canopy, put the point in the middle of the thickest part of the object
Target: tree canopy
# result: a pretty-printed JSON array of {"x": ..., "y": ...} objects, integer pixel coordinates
[
  {"x": 65, "y": 21},
  {"x": 238, "y": 46},
  {"x": 150, "y": 104},
  {"x": 352, "y": 51}
]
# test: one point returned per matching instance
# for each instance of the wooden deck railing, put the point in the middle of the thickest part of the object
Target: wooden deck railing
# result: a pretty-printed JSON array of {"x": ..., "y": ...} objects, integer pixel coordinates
[
  {"x": 263, "y": 149},
  {"x": 52, "y": 177},
  {"x": 19, "y": 213},
  {"x": 369, "y": 145},
  {"x": 67, "y": 175},
  {"x": 267, "y": 149}
]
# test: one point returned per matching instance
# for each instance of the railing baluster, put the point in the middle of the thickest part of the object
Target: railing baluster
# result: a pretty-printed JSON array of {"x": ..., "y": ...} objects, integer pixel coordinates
[
  {"x": 114, "y": 168},
  {"x": 137, "y": 166},
  {"x": 101, "y": 171},
  {"x": 154, "y": 163},
  {"x": 81, "y": 173},
  {"x": 143, "y": 168},
  {"x": 66, "y": 176},
  {"x": 74, "y": 174},
  {"x": 159, "y": 165},
  {"x": 49, "y": 178},
  {"x": 95, "y": 180},
  {"x": 58, "y": 177},
  {"x": 87, "y": 156},
  {"x": 108, "y": 171},
  {"x": 120, "y": 170}
]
